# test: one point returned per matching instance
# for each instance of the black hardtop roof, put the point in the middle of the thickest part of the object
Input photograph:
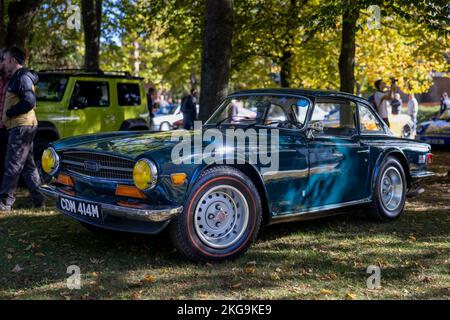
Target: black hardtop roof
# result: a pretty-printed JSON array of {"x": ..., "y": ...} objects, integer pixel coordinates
[{"x": 304, "y": 92}]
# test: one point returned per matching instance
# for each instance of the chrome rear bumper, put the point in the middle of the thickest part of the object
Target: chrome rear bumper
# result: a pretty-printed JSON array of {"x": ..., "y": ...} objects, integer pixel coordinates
[{"x": 146, "y": 213}]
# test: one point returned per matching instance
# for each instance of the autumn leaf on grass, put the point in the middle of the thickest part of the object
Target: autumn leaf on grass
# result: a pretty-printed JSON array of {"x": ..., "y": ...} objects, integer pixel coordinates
[
  {"x": 424, "y": 278},
  {"x": 39, "y": 254},
  {"x": 350, "y": 296},
  {"x": 17, "y": 269},
  {"x": 274, "y": 276},
  {"x": 250, "y": 267},
  {"x": 412, "y": 238},
  {"x": 136, "y": 295},
  {"x": 149, "y": 279},
  {"x": 326, "y": 292},
  {"x": 9, "y": 256}
]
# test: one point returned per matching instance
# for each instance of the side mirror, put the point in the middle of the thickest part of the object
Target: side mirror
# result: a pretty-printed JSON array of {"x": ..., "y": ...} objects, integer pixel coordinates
[{"x": 312, "y": 128}]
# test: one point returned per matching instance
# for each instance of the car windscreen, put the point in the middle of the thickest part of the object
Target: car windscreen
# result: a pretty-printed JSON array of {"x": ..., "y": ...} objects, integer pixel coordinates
[
  {"x": 51, "y": 87},
  {"x": 166, "y": 110},
  {"x": 261, "y": 109}
]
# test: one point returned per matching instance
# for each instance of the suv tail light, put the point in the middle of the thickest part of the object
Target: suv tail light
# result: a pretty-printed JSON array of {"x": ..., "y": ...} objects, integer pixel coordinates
[{"x": 429, "y": 158}]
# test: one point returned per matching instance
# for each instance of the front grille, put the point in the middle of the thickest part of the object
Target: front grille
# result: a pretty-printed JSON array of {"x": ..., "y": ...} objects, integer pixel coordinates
[{"x": 97, "y": 165}]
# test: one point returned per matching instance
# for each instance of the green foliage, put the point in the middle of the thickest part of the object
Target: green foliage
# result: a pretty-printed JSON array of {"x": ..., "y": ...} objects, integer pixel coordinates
[{"x": 161, "y": 40}]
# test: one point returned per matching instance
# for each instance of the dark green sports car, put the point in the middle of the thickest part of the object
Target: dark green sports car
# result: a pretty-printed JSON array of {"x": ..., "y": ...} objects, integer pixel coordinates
[{"x": 264, "y": 156}]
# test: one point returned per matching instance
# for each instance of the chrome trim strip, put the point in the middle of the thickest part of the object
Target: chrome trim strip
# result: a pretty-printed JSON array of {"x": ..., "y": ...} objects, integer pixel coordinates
[
  {"x": 422, "y": 174},
  {"x": 100, "y": 167},
  {"x": 294, "y": 215},
  {"x": 149, "y": 214},
  {"x": 91, "y": 179}
]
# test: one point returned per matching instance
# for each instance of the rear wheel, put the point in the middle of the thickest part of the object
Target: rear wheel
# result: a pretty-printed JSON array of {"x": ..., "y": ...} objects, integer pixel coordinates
[
  {"x": 390, "y": 192},
  {"x": 221, "y": 218}
]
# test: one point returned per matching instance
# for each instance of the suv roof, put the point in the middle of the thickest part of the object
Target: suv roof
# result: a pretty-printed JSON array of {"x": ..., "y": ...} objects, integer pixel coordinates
[{"x": 91, "y": 73}]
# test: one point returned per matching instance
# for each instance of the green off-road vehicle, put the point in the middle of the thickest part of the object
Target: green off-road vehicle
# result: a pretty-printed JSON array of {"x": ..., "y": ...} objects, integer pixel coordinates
[{"x": 77, "y": 102}]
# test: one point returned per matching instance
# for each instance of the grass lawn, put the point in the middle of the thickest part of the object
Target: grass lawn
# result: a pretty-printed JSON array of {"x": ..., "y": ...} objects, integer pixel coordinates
[{"x": 321, "y": 259}]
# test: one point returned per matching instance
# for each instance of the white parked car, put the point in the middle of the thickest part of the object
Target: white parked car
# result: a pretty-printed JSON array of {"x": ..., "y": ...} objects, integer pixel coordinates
[{"x": 166, "y": 116}]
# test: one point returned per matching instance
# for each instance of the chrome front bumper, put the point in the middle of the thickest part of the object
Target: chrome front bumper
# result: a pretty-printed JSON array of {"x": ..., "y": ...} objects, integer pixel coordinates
[{"x": 146, "y": 213}]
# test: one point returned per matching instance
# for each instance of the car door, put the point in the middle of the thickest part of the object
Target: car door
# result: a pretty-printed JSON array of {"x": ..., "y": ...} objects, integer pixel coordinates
[
  {"x": 89, "y": 108},
  {"x": 286, "y": 184},
  {"x": 338, "y": 162}
]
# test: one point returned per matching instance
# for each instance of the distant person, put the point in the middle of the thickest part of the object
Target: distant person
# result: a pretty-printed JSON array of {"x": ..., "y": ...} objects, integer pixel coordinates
[
  {"x": 4, "y": 80},
  {"x": 413, "y": 110},
  {"x": 151, "y": 100},
  {"x": 20, "y": 120},
  {"x": 382, "y": 99},
  {"x": 445, "y": 103},
  {"x": 189, "y": 109},
  {"x": 396, "y": 104}
]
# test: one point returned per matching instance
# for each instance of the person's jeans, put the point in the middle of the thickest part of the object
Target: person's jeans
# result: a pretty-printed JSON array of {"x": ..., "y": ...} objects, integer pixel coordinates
[
  {"x": 188, "y": 121},
  {"x": 20, "y": 160},
  {"x": 414, "y": 121},
  {"x": 3, "y": 145}
]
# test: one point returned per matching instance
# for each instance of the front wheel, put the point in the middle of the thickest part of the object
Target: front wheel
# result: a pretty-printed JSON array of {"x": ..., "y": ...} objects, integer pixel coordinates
[
  {"x": 221, "y": 218},
  {"x": 390, "y": 192}
]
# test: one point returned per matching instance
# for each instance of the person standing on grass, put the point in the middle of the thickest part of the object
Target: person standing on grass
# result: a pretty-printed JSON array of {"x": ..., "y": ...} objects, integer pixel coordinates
[
  {"x": 445, "y": 103},
  {"x": 4, "y": 80},
  {"x": 152, "y": 95},
  {"x": 396, "y": 104},
  {"x": 382, "y": 99},
  {"x": 189, "y": 109},
  {"x": 413, "y": 110},
  {"x": 20, "y": 120}
]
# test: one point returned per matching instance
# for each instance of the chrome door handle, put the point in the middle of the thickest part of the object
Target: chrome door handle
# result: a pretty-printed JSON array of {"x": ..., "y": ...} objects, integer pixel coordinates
[{"x": 363, "y": 151}]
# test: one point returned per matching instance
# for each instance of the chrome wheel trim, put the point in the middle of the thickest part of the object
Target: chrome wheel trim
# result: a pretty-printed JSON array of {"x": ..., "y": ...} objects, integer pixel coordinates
[
  {"x": 221, "y": 217},
  {"x": 391, "y": 189}
]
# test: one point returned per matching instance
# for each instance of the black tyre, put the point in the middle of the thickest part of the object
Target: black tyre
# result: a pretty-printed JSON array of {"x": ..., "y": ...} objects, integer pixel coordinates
[
  {"x": 221, "y": 217},
  {"x": 390, "y": 192}
]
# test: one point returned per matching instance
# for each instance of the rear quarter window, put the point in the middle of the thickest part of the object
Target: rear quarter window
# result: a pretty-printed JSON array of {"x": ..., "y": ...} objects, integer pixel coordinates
[{"x": 129, "y": 94}]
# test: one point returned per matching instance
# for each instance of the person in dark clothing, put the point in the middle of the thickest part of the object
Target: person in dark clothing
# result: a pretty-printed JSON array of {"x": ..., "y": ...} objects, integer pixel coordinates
[
  {"x": 20, "y": 120},
  {"x": 151, "y": 98},
  {"x": 189, "y": 109},
  {"x": 396, "y": 104},
  {"x": 4, "y": 80}
]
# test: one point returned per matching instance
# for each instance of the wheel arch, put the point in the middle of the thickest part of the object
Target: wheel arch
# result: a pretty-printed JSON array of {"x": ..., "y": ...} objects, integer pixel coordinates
[
  {"x": 400, "y": 157},
  {"x": 48, "y": 130},
  {"x": 134, "y": 124},
  {"x": 253, "y": 173}
]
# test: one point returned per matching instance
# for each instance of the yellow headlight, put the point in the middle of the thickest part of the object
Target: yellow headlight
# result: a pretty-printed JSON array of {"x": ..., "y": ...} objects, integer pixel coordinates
[
  {"x": 145, "y": 174},
  {"x": 50, "y": 161}
]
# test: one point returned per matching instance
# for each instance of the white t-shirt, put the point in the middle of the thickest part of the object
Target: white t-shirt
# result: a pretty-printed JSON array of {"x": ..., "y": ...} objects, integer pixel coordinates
[
  {"x": 413, "y": 107},
  {"x": 382, "y": 107}
]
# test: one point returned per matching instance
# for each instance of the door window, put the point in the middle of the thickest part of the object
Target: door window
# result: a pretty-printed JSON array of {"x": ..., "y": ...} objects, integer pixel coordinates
[
  {"x": 129, "y": 94},
  {"x": 88, "y": 94},
  {"x": 337, "y": 118},
  {"x": 368, "y": 121}
]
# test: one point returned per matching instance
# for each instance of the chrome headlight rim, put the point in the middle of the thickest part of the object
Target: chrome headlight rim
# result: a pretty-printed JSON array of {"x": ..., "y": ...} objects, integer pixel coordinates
[
  {"x": 153, "y": 171},
  {"x": 56, "y": 161}
]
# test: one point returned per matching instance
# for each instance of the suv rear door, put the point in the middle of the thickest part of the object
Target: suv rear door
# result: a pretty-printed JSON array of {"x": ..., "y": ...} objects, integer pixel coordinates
[
  {"x": 89, "y": 107},
  {"x": 130, "y": 101}
]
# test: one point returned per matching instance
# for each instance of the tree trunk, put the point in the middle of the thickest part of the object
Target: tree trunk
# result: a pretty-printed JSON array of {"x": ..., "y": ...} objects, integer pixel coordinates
[
  {"x": 91, "y": 11},
  {"x": 286, "y": 69},
  {"x": 216, "y": 55},
  {"x": 2, "y": 23},
  {"x": 21, "y": 15},
  {"x": 348, "y": 49}
]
